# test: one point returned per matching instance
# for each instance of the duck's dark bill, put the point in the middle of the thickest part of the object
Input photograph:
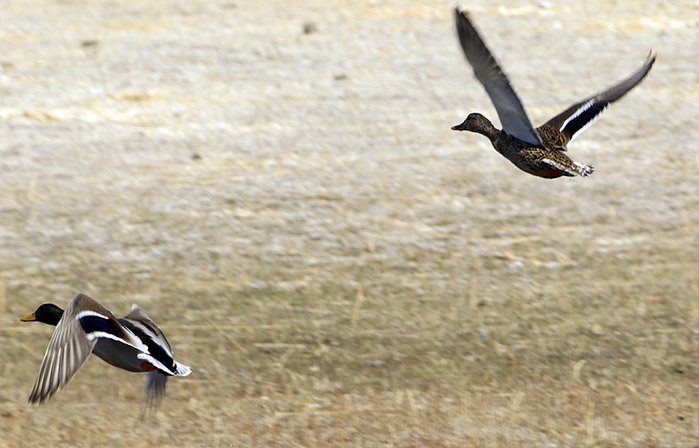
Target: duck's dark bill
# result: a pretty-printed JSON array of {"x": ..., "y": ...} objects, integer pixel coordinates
[{"x": 459, "y": 127}]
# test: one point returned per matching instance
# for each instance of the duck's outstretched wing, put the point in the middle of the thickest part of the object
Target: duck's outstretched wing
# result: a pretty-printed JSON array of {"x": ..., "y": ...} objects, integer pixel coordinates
[
  {"x": 133, "y": 343},
  {"x": 580, "y": 116},
  {"x": 514, "y": 118},
  {"x": 68, "y": 349},
  {"x": 155, "y": 392}
]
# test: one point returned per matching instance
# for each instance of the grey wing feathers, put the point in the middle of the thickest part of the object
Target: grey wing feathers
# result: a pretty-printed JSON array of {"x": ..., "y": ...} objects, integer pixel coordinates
[
  {"x": 581, "y": 115},
  {"x": 155, "y": 388},
  {"x": 514, "y": 118},
  {"x": 68, "y": 350}
]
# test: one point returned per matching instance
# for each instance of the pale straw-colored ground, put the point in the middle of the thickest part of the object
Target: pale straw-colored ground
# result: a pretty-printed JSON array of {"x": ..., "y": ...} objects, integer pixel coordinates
[{"x": 338, "y": 267}]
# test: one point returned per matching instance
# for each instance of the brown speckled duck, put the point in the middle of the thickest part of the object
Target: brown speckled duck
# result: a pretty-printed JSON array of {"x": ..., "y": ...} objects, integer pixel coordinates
[{"x": 537, "y": 151}]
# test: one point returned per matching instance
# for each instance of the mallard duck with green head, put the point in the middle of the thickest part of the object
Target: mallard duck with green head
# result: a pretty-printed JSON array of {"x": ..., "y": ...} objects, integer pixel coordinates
[{"x": 133, "y": 342}]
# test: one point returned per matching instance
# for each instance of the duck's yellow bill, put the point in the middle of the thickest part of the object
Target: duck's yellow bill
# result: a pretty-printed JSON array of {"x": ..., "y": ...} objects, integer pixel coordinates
[{"x": 29, "y": 318}]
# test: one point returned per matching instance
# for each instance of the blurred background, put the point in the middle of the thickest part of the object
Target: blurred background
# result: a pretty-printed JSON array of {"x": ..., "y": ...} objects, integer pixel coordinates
[{"x": 277, "y": 185}]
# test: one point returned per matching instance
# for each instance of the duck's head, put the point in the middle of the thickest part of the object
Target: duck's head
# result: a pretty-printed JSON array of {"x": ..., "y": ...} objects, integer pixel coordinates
[
  {"x": 48, "y": 313},
  {"x": 475, "y": 122}
]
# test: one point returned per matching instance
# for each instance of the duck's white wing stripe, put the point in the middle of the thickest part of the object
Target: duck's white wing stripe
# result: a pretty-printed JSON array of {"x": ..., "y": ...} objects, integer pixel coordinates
[
  {"x": 583, "y": 108},
  {"x": 581, "y": 115},
  {"x": 82, "y": 314},
  {"x": 97, "y": 325},
  {"x": 141, "y": 321},
  {"x": 152, "y": 332},
  {"x": 101, "y": 334},
  {"x": 587, "y": 114},
  {"x": 589, "y": 122}
]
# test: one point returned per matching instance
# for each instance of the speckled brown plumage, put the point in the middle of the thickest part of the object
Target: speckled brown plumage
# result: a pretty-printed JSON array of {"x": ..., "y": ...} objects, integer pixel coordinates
[{"x": 537, "y": 151}]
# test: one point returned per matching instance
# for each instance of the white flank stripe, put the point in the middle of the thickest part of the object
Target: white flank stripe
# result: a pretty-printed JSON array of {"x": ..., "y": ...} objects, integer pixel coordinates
[{"x": 156, "y": 363}]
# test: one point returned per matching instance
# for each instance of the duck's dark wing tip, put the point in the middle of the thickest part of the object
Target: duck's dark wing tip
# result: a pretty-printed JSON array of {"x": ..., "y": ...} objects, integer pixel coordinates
[
  {"x": 650, "y": 59},
  {"x": 462, "y": 15},
  {"x": 513, "y": 116},
  {"x": 580, "y": 116}
]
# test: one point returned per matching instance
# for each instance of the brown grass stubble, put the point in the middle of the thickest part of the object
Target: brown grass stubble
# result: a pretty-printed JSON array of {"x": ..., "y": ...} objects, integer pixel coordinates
[{"x": 345, "y": 288}]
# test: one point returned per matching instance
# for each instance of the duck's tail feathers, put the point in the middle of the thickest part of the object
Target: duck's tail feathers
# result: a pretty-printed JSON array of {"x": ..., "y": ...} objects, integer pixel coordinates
[
  {"x": 584, "y": 170},
  {"x": 182, "y": 370}
]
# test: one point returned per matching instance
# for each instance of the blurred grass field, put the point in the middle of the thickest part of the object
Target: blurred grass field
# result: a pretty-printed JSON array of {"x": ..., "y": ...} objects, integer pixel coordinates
[{"x": 276, "y": 184}]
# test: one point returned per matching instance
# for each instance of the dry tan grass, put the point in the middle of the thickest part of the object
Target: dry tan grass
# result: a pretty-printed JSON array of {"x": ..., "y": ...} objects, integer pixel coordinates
[{"x": 336, "y": 265}]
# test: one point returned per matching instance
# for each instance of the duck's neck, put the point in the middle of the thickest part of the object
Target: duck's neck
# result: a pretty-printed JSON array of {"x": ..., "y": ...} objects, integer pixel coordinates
[
  {"x": 483, "y": 126},
  {"x": 476, "y": 122}
]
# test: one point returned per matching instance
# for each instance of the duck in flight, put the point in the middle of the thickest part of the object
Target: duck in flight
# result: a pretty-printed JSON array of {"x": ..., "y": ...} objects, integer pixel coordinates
[
  {"x": 538, "y": 151},
  {"x": 133, "y": 343}
]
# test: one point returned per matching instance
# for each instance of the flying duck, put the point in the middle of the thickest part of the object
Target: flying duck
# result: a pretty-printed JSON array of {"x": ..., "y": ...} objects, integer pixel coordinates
[
  {"x": 133, "y": 343},
  {"x": 538, "y": 151}
]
